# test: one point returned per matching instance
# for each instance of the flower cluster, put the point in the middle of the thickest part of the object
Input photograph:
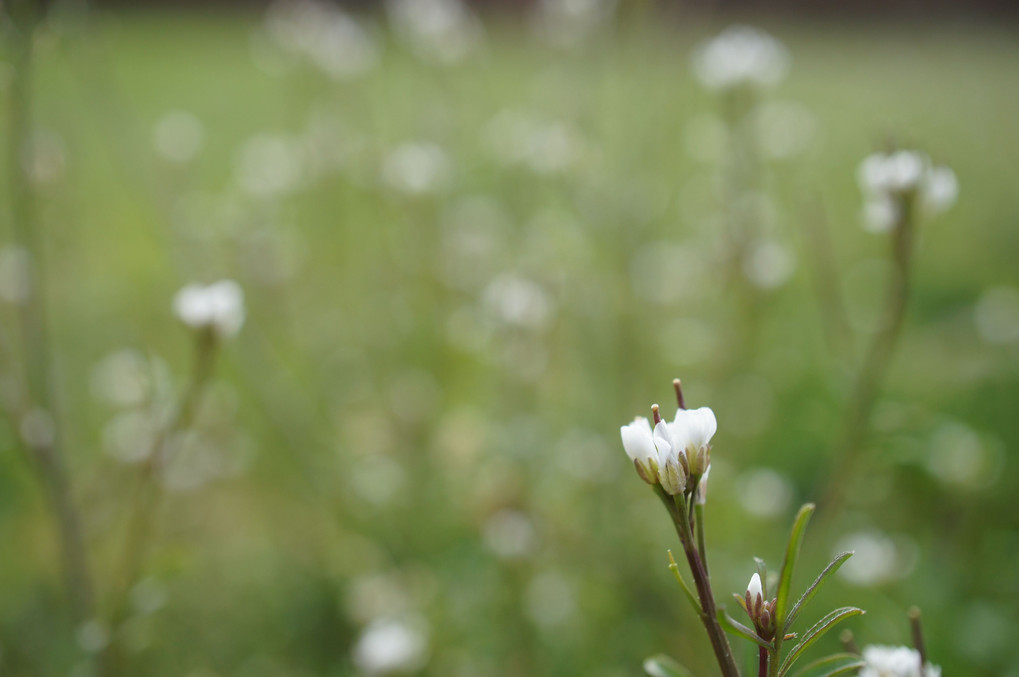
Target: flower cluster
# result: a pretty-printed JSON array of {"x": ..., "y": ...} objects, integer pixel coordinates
[
  {"x": 895, "y": 661},
  {"x": 741, "y": 56},
  {"x": 893, "y": 182},
  {"x": 218, "y": 307},
  {"x": 676, "y": 455}
]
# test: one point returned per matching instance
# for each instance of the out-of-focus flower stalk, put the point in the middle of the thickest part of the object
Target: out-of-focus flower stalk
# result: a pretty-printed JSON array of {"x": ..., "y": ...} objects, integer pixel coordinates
[
  {"x": 148, "y": 494},
  {"x": 876, "y": 360},
  {"x": 43, "y": 449}
]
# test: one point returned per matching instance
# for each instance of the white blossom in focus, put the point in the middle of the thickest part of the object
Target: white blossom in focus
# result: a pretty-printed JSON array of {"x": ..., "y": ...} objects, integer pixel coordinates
[
  {"x": 639, "y": 445},
  {"x": 218, "y": 306},
  {"x": 390, "y": 646},
  {"x": 754, "y": 588},
  {"x": 690, "y": 434},
  {"x": 740, "y": 56},
  {"x": 895, "y": 661}
]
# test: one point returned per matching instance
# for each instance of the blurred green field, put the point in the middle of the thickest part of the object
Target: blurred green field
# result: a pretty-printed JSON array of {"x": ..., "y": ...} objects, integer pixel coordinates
[{"x": 420, "y": 416}]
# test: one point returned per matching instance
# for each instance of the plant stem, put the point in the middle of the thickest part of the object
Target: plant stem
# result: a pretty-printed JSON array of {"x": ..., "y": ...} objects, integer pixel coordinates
[
  {"x": 762, "y": 661},
  {"x": 876, "y": 362},
  {"x": 39, "y": 391},
  {"x": 677, "y": 508},
  {"x": 699, "y": 516},
  {"x": 149, "y": 491}
]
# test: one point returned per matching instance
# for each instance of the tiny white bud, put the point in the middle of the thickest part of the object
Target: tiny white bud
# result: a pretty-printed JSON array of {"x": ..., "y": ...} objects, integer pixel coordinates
[{"x": 754, "y": 588}]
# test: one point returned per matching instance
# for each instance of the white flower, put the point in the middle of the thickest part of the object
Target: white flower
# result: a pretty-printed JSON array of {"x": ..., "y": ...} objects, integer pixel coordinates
[
  {"x": 388, "y": 646},
  {"x": 639, "y": 445},
  {"x": 690, "y": 434},
  {"x": 896, "y": 172},
  {"x": 702, "y": 488},
  {"x": 754, "y": 589},
  {"x": 218, "y": 306},
  {"x": 895, "y": 661},
  {"x": 741, "y": 56},
  {"x": 940, "y": 190},
  {"x": 889, "y": 181},
  {"x": 671, "y": 470}
]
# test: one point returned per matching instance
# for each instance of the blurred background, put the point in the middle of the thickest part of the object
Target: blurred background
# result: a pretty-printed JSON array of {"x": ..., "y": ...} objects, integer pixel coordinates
[{"x": 474, "y": 240}]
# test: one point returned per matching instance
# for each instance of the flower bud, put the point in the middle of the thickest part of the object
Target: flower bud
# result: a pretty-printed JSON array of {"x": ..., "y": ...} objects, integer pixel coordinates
[
  {"x": 754, "y": 589},
  {"x": 639, "y": 445}
]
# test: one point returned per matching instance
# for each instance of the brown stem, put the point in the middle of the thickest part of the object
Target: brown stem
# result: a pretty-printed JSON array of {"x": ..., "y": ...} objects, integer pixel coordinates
[
  {"x": 709, "y": 614},
  {"x": 762, "y": 662}
]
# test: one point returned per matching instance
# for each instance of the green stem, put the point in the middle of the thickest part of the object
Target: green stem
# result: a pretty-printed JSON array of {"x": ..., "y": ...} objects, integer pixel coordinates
[
  {"x": 48, "y": 456},
  {"x": 678, "y": 510},
  {"x": 874, "y": 368},
  {"x": 148, "y": 492},
  {"x": 699, "y": 516}
]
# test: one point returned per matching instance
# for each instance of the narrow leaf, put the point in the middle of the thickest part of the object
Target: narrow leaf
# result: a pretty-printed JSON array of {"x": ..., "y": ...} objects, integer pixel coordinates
[
  {"x": 732, "y": 626},
  {"x": 829, "y": 570},
  {"x": 674, "y": 568},
  {"x": 835, "y": 662},
  {"x": 663, "y": 666},
  {"x": 815, "y": 633},
  {"x": 792, "y": 552},
  {"x": 762, "y": 571}
]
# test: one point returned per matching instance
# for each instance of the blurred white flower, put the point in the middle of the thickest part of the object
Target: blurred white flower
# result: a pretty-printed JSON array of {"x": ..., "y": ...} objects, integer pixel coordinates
[
  {"x": 769, "y": 264},
  {"x": 764, "y": 493},
  {"x": 895, "y": 661},
  {"x": 442, "y": 31},
  {"x": 416, "y": 168},
  {"x": 391, "y": 645},
  {"x": 878, "y": 559},
  {"x": 517, "y": 301},
  {"x": 178, "y": 136},
  {"x": 887, "y": 178},
  {"x": 269, "y": 164},
  {"x": 550, "y": 600},
  {"x": 93, "y": 636},
  {"x": 564, "y": 23},
  {"x": 702, "y": 488},
  {"x": 509, "y": 534},
  {"x": 128, "y": 378},
  {"x": 544, "y": 147},
  {"x": 15, "y": 274},
  {"x": 740, "y": 56},
  {"x": 130, "y": 436},
  {"x": 880, "y": 214},
  {"x": 889, "y": 173},
  {"x": 996, "y": 315},
  {"x": 323, "y": 34},
  {"x": 940, "y": 190},
  {"x": 218, "y": 306},
  {"x": 784, "y": 128}
]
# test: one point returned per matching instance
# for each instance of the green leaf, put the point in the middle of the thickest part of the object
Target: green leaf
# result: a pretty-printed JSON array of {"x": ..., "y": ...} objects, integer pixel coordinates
[
  {"x": 832, "y": 567},
  {"x": 661, "y": 665},
  {"x": 762, "y": 571},
  {"x": 835, "y": 664},
  {"x": 815, "y": 633},
  {"x": 792, "y": 552},
  {"x": 674, "y": 568},
  {"x": 732, "y": 626}
]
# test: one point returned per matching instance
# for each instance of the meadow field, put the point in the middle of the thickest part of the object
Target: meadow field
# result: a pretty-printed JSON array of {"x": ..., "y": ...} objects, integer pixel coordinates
[{"x": 466, "y": 262}]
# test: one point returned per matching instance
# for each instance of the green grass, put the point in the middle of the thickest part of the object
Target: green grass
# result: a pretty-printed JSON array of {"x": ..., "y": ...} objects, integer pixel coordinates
[{"x": 349, "y": 357}]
